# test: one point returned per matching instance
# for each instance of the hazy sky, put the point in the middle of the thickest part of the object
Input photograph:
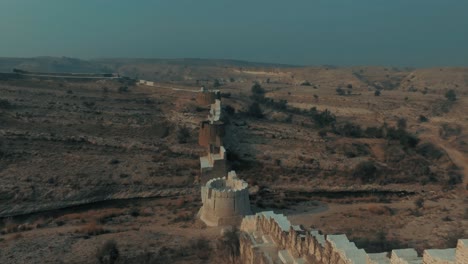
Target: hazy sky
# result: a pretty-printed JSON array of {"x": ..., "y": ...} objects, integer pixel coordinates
[{"x": 311, "y": 32}]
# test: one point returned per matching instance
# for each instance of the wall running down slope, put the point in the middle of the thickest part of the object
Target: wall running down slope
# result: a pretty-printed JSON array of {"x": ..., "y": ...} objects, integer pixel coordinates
[
  {"x": 270, "y": 238},
  {"x": 225, "y": 199},
  {"x": 267, "y": 237}
]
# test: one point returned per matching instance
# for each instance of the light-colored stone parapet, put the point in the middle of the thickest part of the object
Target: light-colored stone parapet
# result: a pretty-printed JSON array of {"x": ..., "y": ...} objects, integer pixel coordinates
[
  {"x": 143, "y": 82},
  {"x": 439, "y": 256},
  {"x": 461, "y": 254},
  {"x": 295, "y": 245}
]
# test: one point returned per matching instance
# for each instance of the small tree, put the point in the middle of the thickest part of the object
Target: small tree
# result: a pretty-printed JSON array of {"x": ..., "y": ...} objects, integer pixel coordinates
[
  {"x": 366, "y": 171},
  {"x": 340, "y": 91},
  {"x": 255, "y": 110},
  {"x": 401, "y": 124},
  {"x": 451, "y": 95},
  {"x": 5, "y": 104},
  {"x": 423, "y": 118},
  {"x": 123, "y": 89},
  {"x": 257, "y": 89},
  {"x": 229, "y": 246},
  {"x": 108, "y": 253},
  {"x": 183, "y": 134},
  {"x": 377, "y": 93},
  {"x": 216, "y": 83}
]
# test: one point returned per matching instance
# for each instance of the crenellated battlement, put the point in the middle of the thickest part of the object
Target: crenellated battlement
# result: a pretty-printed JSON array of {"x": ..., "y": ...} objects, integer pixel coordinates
[
  {"x": 225, "y": 201},
  {"x": 270, "y": 238}
]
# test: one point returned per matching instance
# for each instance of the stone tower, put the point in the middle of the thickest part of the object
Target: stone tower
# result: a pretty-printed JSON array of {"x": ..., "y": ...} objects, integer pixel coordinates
[{"x": 225, "y": 201}]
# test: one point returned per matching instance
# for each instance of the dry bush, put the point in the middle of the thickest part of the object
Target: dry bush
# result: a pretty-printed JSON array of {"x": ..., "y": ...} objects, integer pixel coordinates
[
  {"x": 380, "y": 210},
  {"x": 180, "y": 202},
  {"x": 228, "y": 246},
  {"x": 108, "y": 253},
  {"x": 92, "y": 229},
  {"x": 201, "y": 247},
  {"x": 182, "y": 217}
]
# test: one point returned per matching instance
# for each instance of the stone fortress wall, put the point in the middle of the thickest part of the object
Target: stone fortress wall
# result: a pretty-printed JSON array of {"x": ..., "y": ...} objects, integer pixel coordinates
[
  {"x": 212, "y": 130},
  {"x": 270, "y": 238},
  {"x": 267, "y": 237},
  {"x": 213, "y": 164},
  {"x": 148, "y": 83},
  {"x": 206, "y": 97},
  {"x": 225, "y": 199}
]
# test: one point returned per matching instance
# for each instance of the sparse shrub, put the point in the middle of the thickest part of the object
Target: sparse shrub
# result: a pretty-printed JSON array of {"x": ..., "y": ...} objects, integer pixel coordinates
[
  {"x": 451, "y": 95},
  {"x": 123, "y": 89},
  {"x": 255, "y": 110},
  {"x": 183, "y": 135},
  {"x": 449, "y": 130},
  {"x": 202, "y": 248},
  {"x": 447, "y": 219},
  {"x": 114, "y": 161},
  {"x": 380, "y": 210},
  {"x": 322, "y": 119},
  {"x": 5, "y": 104},
  {"x": 377, "y": 93},
  {"x": 135, "y": 212},
  {"x": 366, "y": 171},
  {"x": 379, "y": 243},
  {"x": 356, "y": 150},
  {"x": 406, "y": 139},
  {"x": 340, "y": 91},
  {"x": 89, "y": 104},
  {"x": 180, "y": 202},
  {"x": 455, "y": 177},
  {"x": 419, "y": 203},
  {"x": 258, "y": 92},
  {"x": 305, "y": 83},
  {"x": 216, "y": 83},
  {"x": 349, "y": 130},
  {"x": 401, "y": 123},
  {"x": 229, "y": 110},
  {"x": 92, "y": 229},
  {"x": 316, "y": 97},
  {"x": 228, "y": 246},
  {"x": 374, "y": 132},
  {"x": 108, "y": 253},
  {"x": 429, "y": 151},
  {"x": 322, "y": 133},
  {"x": 226, "y": 95},
  {"x": 423, "y": 119}
]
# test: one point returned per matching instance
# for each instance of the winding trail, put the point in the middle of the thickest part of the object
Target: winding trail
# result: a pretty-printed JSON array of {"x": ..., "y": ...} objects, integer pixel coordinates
[{"x": 457, "y": 157}]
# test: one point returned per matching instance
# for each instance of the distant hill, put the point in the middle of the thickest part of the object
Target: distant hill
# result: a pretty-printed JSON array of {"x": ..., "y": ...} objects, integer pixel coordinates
[
  {"x": 204, "y": 71},
  {"x": 65, "y": 64}
]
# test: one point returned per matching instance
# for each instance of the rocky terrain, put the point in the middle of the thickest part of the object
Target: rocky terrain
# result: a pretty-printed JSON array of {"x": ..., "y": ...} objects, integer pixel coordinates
[{"x": 358, "y": 150}]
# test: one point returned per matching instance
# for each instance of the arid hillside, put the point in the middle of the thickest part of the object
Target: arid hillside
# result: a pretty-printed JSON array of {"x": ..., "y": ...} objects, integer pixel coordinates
[{"x": 378, "y": 153}]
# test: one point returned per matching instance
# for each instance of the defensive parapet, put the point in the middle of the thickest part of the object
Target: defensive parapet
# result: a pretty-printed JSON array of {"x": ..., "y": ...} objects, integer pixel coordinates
[
  {"x": 213, "y": 165},
  {"x": 207, "y": 97},
  {"x": 225, "y": 201},
  {"x": 144, "y": 82},
  {"x": 270, "y": 238}
]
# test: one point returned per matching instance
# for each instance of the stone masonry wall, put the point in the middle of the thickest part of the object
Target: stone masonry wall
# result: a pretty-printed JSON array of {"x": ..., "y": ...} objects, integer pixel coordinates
[{"x": 270, "y": 238}]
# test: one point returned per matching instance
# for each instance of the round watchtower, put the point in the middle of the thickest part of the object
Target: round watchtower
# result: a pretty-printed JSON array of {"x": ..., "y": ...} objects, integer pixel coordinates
[{"x": 225, "y": 201}]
